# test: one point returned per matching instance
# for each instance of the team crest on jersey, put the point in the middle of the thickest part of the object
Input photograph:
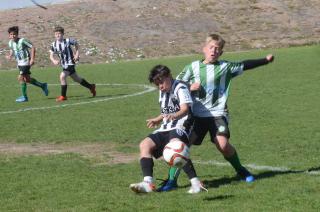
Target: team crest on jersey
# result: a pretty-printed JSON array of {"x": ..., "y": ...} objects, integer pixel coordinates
[
  {"x": 180, "y": 132},
  {"x": 221, "y": 128}
]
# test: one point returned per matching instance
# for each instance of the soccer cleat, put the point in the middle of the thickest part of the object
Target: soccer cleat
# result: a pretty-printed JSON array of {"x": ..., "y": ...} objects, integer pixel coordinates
[
  {"x": 168, "y": 185},
  {"x": 245, "y": 175},
  {"x": 61, "y": 98},
  {"x": 196, "y": 188},
  {"x": 93, "y": 90},
  {"x": 45, "y": 89},
  {"x": 22, "y": 99},
  {"x": 143, "y": 187}
]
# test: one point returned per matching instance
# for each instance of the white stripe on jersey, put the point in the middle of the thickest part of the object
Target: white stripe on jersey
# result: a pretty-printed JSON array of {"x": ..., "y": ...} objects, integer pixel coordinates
[
  {"x": 170, "y": 103},
  {"x": 196, "y": 71},
  {"x": 215, "y": 81},
  {"x": 64, "y": 51},
  {"x": 20, "y": 50}
]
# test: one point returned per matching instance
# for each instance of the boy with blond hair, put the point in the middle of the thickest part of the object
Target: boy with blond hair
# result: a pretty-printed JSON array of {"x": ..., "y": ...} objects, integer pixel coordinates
[{"x": 209, "y": 81}]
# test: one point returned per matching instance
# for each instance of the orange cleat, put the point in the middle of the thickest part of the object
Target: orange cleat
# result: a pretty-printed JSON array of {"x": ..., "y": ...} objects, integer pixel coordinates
[
  {"x": 61, "y": 98},
  {"x": 93, "y": 90}
]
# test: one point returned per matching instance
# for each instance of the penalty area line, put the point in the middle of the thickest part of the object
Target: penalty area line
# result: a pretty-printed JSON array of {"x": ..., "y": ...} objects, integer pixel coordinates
[
  {"x": 257, "y": 167},
  {"x": 146, "y": 87}
]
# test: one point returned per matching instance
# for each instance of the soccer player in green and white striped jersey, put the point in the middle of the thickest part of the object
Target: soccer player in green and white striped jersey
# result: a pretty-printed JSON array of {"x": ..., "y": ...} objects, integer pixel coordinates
[
  {"x": 20, "y": 48},
  {"x": 209, "y": 81}
]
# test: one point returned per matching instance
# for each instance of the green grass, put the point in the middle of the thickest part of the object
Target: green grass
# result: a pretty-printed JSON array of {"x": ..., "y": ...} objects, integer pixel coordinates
[{"x": 274, "y": 122}]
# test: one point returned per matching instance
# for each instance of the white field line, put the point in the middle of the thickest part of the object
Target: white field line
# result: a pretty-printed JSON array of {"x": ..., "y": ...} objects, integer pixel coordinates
[
  {"x": 257, "y": 167},
  {"x": 146, "y": 87}
]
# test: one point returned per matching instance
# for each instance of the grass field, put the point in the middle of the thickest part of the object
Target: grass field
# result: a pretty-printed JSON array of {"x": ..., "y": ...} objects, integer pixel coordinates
[{"x": 274, "y": 125}]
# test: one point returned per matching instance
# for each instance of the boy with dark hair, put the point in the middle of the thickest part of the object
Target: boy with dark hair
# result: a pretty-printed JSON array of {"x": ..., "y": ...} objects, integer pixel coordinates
[
  {"x": 20, "y": 48},
  {"x": 62, "y": 47},
  {"x": 175, "y": 104},
  {"x": 209, "y": 81}
]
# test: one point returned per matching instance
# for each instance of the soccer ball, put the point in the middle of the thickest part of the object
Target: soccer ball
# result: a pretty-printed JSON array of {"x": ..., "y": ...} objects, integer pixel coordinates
[{"x": 176, "y": 153}]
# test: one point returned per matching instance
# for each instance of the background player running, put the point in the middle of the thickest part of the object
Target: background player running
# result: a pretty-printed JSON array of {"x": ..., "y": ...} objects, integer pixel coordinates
[{"x": 63, "y": 48}]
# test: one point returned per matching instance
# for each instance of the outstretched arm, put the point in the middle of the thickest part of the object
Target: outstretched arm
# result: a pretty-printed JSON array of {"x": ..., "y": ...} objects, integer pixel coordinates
[{"x": 250, "y": 64}]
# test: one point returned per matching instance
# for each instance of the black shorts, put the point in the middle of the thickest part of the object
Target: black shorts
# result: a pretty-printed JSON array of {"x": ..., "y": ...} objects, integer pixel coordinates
[
  {"x": 214, "y": 125},
  {"x": 71, "y": 69},
  {"x": 162, "y": 138},
  {"x": 24, "y": 70}
]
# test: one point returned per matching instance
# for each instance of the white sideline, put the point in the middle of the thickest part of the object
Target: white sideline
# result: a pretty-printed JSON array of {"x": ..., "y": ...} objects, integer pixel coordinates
[
  {"x": 146, "y": 87},
  {"x": 257, "y": 167}
]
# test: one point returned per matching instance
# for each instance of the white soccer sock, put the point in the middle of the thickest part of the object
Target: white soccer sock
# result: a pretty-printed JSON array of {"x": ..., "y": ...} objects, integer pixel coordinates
[
  {"x": 194, "y": 181},
  {"x": 148, "y": 179}
]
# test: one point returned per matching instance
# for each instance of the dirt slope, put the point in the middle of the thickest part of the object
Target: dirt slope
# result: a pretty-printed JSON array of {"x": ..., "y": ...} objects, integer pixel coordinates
[{"x": 112, "y": 30}]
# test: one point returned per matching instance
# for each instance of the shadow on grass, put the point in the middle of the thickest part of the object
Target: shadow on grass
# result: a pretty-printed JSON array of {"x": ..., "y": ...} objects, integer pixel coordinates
[
  {"x": 262, "y": 175},
  {"x": 79, "y": 97},
  {"x": 219, "y": 197}
]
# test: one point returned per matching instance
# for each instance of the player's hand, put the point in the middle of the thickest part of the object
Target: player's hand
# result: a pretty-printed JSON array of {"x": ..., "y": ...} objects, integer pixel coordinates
[
  {"x": 152, "y": 123},
  {"x": 56, "y": 62},
  {"x": 270, "y": 58},
  {"x": 31, "y": 62},
  {"x": 195, "y": 86},
  {"x": 76, "y": 57}
]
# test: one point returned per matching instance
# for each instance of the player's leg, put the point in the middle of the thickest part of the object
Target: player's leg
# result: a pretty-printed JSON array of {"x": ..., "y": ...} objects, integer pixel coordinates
[
  {"x": 196, "y": 184},
  {"x": 84, "y": 83},
  {"x": 43, "y": 86},
  {"x": 220, "y": 136},
  {"x": 197, "y": 135},
  {"x": 63, "y": 82},
  {"x": 23, "y": 84},
  {"x": 149, "y": 147}
]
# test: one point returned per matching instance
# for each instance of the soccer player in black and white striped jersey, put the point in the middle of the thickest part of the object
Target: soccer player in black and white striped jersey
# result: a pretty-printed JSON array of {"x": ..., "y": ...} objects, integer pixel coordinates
[
  {"x": 63, "y": 48},
  {"x": 175, "y": 103}
]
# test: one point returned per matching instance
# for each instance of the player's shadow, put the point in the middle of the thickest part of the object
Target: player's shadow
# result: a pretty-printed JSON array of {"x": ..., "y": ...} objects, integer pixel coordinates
[
  {"x": 219, "y": 197},
  {"x": 215, "y": 183},
  {"x": 79, "y": 97}
]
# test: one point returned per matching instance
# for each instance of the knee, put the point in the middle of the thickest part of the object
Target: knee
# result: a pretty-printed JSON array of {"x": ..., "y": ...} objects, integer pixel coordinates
[
  {"x": 224, "y": 147},
  {"x": 63, "y": 80},
  {"x": 27, "y": 79},
  {"x": 144, "y": 145}
]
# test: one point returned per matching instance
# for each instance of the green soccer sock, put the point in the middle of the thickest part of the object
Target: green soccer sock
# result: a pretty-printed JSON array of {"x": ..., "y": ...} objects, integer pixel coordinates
[
  {"x": 234, "y": 161},
  {"x": 174, "y": 173},
  {"x": 24, "y": 89},
  {"x": 33, "y": 81}
]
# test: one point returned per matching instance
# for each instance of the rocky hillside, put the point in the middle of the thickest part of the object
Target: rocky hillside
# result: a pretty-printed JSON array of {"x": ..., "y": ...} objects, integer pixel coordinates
[{"x": 112, "y": 30}]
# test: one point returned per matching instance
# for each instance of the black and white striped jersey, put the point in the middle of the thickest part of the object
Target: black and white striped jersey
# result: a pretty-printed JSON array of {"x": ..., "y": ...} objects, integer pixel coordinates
[
  {"x": 64, "y": 51},
  {"x": 170, "y": 103}
]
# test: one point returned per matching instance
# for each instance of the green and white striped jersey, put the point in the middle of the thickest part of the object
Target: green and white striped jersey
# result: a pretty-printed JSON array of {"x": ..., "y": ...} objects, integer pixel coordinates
[
  {"x": 21, "y": 50},
  {"x": 215, "y": 79}
]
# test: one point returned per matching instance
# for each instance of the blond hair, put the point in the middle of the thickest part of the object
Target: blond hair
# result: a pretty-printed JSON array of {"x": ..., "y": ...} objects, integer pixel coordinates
[{"x": 217, "y": 38}]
